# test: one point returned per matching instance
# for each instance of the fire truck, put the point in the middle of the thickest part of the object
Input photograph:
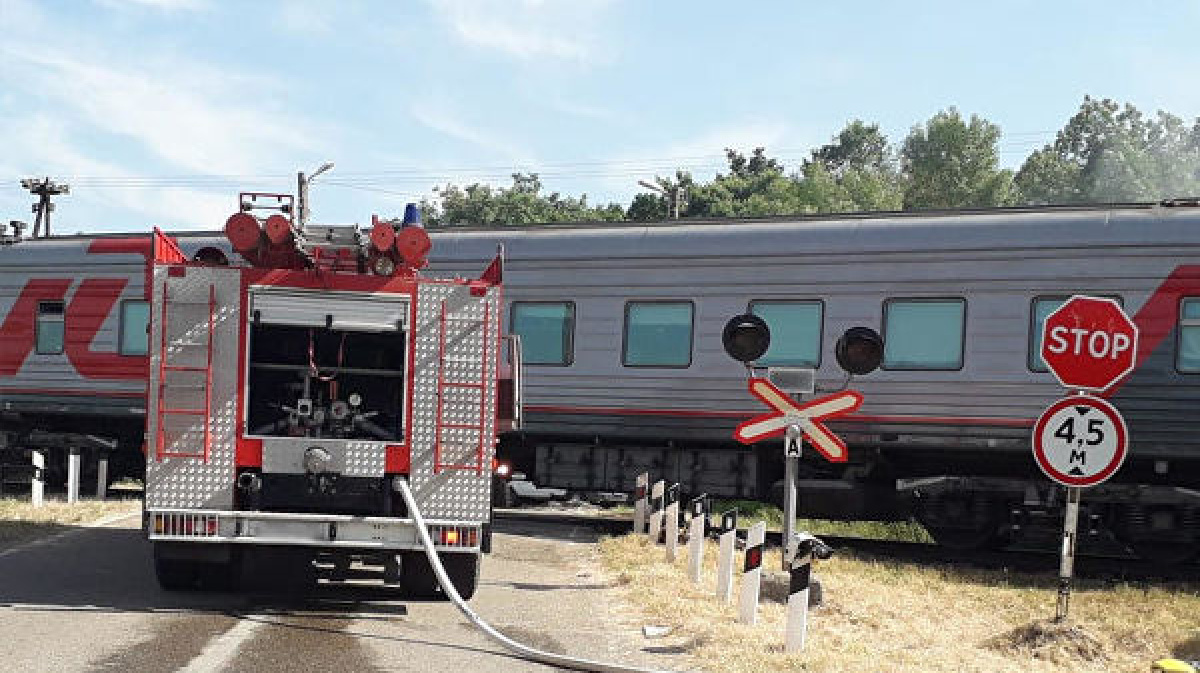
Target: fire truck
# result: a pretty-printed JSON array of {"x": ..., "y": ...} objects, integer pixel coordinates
[{"x": 295, "y": 394}]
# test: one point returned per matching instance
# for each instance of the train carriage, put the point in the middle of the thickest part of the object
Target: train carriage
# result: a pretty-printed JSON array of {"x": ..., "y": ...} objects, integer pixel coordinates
[{"x": 625, "y": 372}]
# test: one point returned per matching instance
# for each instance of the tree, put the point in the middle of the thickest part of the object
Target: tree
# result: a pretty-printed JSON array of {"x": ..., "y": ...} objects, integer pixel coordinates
[
  {"x": 755, "y": 186},
  {"x": 1108, "y": 152},
  {"x": 522, "y": 203},
  {"x": 859, "y": 146},
  {"x": 954, "y": 163},
  {"x": 855, "y": 172}
]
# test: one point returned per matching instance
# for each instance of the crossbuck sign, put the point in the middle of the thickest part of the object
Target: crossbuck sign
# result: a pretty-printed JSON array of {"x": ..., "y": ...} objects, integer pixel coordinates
[{"x": 806, "y": 416}]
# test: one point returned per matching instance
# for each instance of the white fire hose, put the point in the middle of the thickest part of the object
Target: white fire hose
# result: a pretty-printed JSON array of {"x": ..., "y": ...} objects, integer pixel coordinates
[{"x": 524, "y": 651}]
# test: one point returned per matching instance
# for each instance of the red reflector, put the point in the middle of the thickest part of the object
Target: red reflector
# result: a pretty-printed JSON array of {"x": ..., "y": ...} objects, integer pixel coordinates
[{"x": 753, "y": 558}]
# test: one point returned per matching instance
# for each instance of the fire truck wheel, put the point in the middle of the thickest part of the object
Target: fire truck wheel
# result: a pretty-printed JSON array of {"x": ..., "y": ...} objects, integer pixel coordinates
[
  {"x": 419, "y": 580},
  {"x": 177, "y": 574}
]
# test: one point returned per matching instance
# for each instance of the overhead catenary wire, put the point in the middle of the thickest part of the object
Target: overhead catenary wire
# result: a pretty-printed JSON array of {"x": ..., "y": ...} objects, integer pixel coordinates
[{"x": 407, "y": 177}]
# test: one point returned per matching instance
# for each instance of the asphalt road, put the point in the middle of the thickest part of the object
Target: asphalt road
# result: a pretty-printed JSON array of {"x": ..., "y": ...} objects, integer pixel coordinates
[{"x": 88, "y": 601}]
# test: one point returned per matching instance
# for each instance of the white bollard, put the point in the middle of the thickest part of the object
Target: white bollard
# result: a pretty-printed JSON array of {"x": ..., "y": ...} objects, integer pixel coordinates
[
  {"x": 73, "y": 476},
  {"x": 37, "y": 488},
  {"x": 752, "y": 577},
  {"x": 639, "y": 503},
  {"x": 101, "y": 478},
  {"x": 796, "y": 627},
  {"x": 656, "y": 503},
  {"x": 696, "y": 548},
  {"x": 672, "y": 531},
  {"x": 725, "y": 567}
]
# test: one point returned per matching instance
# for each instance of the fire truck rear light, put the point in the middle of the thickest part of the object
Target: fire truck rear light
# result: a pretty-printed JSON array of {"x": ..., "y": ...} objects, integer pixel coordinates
[
  {"x": 186, "y": 525},
  {"x": 455, "y": 536}
]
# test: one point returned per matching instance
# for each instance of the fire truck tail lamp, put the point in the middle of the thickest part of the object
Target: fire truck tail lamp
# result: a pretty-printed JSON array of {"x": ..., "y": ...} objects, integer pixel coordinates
[
  {"x": 185, "y": 525},
  {"x": 455, "y": 536}
]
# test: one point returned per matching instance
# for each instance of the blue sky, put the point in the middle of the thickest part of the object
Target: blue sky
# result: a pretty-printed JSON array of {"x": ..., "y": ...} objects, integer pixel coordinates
[{"x": 158, "y": 111}]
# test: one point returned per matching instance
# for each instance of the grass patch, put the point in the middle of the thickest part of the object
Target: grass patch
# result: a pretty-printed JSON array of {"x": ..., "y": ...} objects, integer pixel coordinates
[
  {"x": 751, "y": 512},
  {"x": 21, "y": 522},
  {"x": 882, "y": 615}
]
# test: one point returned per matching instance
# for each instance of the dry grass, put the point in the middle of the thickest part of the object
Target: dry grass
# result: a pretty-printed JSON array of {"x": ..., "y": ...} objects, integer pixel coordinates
[
  {"x": 900, "y": 617},
  {"x": 21, "y": 522}
]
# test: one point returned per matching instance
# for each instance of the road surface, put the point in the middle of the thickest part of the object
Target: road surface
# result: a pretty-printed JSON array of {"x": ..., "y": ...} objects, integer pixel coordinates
[{"x": 87, "y": 601}]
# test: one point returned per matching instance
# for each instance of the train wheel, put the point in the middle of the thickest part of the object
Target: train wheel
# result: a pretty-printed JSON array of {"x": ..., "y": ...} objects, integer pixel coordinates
[
  {"x": 961, "y": 520},
  {"x": 1146, "y": 526}
]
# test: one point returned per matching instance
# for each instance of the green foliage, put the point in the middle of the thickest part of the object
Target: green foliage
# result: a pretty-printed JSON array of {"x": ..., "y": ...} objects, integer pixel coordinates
[
  {"x": 754, "y": 187},
  {"x": 523, "y": 203},
  {"x": 1108, "y": 153},
  {"x": 954, "y": 163},
  {"x": 751, "y": 512}
]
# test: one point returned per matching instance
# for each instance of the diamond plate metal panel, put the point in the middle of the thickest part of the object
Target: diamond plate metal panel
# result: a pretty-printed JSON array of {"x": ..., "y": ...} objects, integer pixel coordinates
[
  {"x": 449, "y": 493},
  {"x": 194, "y": 483}
]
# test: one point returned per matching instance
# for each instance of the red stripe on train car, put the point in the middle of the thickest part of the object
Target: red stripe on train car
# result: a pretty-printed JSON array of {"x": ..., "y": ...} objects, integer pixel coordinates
[
  {"x": 72, "y": 393},
  {"x": 1160, "y": 314}
]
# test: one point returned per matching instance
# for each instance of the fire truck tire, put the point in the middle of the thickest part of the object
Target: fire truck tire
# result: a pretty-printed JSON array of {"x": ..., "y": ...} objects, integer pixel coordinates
[
  {"x": 419, "y": 581},
  {"x": 178, "y": 574}
]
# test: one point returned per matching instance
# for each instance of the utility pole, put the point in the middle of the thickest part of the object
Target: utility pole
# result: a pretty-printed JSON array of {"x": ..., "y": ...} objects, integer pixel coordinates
[
  {"x": 43, "y": 189},
  {"x": 675, "y": 197},
  {"x": 302, "y": 183}
]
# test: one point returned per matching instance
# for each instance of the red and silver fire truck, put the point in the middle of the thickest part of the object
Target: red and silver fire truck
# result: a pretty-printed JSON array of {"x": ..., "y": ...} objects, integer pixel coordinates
[{"x": 290, "y": 395}]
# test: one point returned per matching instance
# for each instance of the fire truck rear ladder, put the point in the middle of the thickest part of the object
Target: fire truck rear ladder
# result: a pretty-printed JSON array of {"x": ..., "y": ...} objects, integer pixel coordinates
[
  {"x": 165, "y": 367},
  {"x": 456, "y": 353}
]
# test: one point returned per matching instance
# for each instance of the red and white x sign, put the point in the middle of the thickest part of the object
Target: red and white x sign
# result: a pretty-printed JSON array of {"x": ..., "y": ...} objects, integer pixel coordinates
[{"x": 807, "y": 417}]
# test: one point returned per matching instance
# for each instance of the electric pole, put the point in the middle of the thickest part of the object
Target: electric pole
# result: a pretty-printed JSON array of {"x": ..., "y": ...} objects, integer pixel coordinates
[{"x": 43, "y": 189}]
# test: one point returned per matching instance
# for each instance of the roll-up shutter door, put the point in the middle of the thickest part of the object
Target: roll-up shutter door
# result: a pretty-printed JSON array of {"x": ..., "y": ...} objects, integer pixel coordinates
[{"x": 368, "y": 313}]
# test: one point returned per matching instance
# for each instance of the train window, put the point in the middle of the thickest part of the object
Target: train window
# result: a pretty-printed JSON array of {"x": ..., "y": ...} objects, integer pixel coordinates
[
  {"x": 135, "y": 318},
  {"x": 547, "y": 330},
  {"x": 50, "y": 327},
  {"x": 1187, "y": 355},
  {"x": 795, "y": 332},
  {"x": 1043, "y": 306},
  {"x": 658, "y": 334},
  {"x": 923, "y": 333}
]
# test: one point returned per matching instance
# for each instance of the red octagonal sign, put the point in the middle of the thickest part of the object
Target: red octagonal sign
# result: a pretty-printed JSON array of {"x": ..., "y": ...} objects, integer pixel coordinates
[{"x": 1089, "y": 343}]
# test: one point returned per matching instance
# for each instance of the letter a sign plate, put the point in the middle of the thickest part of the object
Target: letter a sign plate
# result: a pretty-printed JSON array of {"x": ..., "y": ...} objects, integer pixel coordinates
[{"x": 807, "y": 417}]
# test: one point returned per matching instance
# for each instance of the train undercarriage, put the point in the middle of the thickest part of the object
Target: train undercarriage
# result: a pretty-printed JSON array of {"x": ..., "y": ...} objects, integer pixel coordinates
[{"x": 967, "y": 505}]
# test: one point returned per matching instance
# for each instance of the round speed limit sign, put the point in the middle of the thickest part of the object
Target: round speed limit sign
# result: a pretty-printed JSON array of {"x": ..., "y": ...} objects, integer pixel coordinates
[{"x": 1080, "y": 440}]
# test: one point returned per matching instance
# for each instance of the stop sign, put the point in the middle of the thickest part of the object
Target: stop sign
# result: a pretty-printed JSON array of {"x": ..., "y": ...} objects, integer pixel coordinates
[{"x": 1089, "y": 343}]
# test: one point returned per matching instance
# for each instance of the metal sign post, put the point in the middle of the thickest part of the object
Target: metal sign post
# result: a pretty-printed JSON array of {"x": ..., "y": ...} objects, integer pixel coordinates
[
  {"x": 1066, "y": 568},
  {"x": 792, "y": 443}
]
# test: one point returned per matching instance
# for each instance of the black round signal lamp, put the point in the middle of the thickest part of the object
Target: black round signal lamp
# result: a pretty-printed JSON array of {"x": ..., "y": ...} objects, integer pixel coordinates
[
  {"x": 859, "y": 350},
  {"x": 746, "y": 337}
]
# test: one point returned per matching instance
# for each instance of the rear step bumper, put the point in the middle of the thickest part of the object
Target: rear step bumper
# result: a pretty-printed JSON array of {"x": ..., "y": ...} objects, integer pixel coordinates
[{"x": 310, "y": 530}]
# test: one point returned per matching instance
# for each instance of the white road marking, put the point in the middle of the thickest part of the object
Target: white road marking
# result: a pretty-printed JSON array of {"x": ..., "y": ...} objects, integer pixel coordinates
[
  {"x": 99, "y": 523},
  {"x": 219, "y": 654}
]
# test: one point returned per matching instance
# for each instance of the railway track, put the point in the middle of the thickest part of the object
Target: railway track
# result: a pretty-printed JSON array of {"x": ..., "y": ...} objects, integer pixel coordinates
[{"x": 1028, "y": 560}]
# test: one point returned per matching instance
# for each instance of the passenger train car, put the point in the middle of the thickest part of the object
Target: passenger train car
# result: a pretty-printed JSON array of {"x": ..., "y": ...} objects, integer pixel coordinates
[{"x": 624, "y": 368}]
